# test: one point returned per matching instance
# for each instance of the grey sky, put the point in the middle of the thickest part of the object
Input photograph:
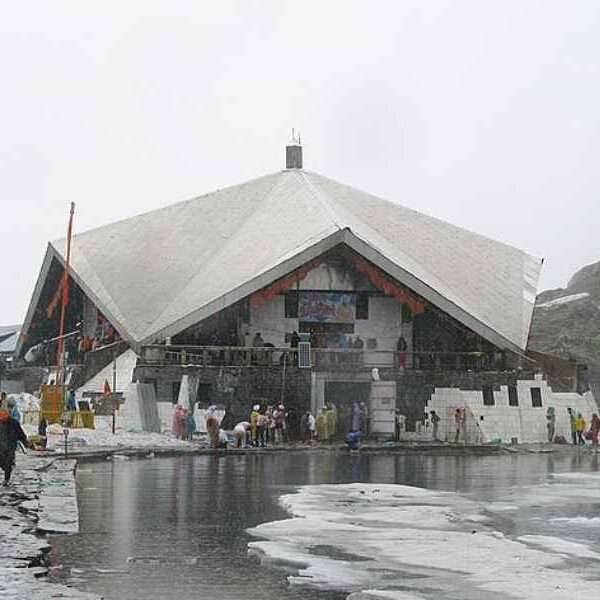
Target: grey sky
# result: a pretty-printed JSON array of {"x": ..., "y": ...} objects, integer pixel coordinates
[{"x": 485, "y": 114}]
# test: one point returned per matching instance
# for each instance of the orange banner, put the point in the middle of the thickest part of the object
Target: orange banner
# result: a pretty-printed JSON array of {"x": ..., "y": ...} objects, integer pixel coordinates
[{"x": 383, "y": 283}]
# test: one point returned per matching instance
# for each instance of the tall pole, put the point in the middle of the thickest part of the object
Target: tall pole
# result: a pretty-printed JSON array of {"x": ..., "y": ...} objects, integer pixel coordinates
[
  {"x": 114, "y": 391},
  {"x": 60, "y": 355},
  {"x": 283, "y": 377}
]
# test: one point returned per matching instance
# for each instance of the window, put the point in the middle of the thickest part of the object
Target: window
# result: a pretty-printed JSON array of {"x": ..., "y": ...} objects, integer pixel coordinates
[
  {"x": 244, "y": 310},
  {"x": 488, "y": 395},
  {"x": 513, "y": 396},
  {"x": 176, "y": 388},
  {"x": 407, "y": 315},
  {"x": 291, "y": 304},
  {"x": 362, "y": 306},
  {"x": 154, "y": 383},
  {"x": 536, "y": 397}
]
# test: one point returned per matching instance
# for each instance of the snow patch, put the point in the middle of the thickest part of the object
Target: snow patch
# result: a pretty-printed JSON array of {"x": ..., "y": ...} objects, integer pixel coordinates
[
  {"x": 578, "y": 521},
  {"x": 561, "y": 546},
  {"x": 564, "y": 300},
  {"x": 441, "y": 539}
]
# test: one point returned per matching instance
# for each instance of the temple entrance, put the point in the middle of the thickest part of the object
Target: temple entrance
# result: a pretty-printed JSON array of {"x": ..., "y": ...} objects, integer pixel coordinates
[{"x": 343, "y": 394}]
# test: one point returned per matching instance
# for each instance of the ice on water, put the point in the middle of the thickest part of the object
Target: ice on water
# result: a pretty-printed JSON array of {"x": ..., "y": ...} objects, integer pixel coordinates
[{"x": 397, "y": 541}]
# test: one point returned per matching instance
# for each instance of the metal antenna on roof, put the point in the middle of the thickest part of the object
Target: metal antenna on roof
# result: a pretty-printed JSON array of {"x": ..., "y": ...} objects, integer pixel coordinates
[
  {"x": 299, "y": 140},
  {"x": 293, "y": 139}
]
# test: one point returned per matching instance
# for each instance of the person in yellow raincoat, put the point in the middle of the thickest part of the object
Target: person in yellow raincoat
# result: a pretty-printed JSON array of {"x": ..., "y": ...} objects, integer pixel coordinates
[
  {"x": 580, "y": 428},
  {"x": 254, "y": 423},
  {"x": 321, "y": 426},
  {"x": 331, "y": 416}
]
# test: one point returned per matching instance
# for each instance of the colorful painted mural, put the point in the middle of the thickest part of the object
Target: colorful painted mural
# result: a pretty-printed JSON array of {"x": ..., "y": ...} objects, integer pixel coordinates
[{"x": 327, "y": 307}]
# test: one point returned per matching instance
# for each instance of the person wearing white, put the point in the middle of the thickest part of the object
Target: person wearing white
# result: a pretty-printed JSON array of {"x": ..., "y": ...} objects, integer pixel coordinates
[{"x": 240, "y": 432}]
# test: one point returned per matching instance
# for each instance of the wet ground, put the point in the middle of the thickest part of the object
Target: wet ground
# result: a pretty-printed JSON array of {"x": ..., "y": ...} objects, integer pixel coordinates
[{"x": 177, "y": 527}]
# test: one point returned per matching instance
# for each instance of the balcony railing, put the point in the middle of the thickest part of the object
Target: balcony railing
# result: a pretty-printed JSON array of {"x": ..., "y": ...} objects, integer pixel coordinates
[{"x": 321, "y": 358}]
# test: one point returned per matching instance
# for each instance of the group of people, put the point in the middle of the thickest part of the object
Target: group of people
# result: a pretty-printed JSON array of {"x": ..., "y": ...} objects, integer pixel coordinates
[
  {"x": 270, "y": 425},
  {"x": 183, "y": 425},
  {"x": 580, "y": 432}
]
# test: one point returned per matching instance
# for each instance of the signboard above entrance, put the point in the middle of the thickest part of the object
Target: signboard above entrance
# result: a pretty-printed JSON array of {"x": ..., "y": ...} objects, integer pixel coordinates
[{"x": 327, "y": 307}]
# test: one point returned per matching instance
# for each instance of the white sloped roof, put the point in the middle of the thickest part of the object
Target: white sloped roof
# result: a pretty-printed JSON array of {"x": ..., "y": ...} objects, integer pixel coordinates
[{"x": 157, "y": 273}]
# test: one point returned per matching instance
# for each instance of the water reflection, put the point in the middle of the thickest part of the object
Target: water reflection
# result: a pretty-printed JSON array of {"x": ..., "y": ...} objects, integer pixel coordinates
[{"x": 172, "y": 528}]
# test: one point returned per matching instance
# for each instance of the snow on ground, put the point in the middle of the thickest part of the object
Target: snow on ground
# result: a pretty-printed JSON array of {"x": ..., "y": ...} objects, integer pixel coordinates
[
  {"x": 560, "y": 546},
  {"x": 564, "y": 300},
  {"x": 391, "y": 541},
  {"x": 578, "y": 521},
  {"x": 102, "y": 437},
  {"x": 25, "y": 402}
]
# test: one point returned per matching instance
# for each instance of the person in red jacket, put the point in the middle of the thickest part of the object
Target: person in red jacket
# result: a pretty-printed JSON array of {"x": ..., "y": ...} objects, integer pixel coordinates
[
  {"x": 11, "y": 434},
  {"x": 594, "y": 430}
]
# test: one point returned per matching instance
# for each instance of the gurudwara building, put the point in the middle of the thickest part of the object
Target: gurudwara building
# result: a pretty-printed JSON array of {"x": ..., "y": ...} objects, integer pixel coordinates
[{"x": 295, "y": 288}]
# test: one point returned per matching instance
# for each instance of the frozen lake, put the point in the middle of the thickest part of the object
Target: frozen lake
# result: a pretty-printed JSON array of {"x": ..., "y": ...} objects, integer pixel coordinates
[{"x": 415, "y": 527}]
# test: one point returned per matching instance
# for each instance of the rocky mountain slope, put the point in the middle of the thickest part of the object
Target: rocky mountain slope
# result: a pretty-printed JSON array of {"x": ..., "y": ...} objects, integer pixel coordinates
[{"x": 566, "y": 322}]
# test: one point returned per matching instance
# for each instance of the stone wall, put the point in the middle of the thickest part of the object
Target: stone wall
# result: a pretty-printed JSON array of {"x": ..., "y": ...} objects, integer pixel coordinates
[{"x": 241, "y": 386}]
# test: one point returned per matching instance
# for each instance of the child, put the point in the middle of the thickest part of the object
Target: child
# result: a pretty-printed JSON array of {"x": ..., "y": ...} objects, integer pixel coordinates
[{"x": 190, "y": 426}]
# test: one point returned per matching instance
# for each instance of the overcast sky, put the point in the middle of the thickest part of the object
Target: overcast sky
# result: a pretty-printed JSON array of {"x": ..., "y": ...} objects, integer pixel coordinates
[{"x": 484, "y": 114}]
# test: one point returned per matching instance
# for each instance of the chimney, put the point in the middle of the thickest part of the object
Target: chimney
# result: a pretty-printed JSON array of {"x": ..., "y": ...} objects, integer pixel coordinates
[{"x": 293, "y": 153}]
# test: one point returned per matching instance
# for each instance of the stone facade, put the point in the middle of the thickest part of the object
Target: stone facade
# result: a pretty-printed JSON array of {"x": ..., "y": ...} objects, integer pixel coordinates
[{"x": 241, "y": 386}]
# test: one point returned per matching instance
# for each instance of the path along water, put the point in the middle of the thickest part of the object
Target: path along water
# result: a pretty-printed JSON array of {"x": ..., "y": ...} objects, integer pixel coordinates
[{"x": 447, "y": 527}]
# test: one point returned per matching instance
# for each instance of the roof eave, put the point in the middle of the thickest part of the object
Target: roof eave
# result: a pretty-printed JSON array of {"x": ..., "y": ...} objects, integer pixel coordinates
[
  {"x": 428, "y": 293},
  {"x": 35, "y": 298},
  {"x": 248, "y": 288}
]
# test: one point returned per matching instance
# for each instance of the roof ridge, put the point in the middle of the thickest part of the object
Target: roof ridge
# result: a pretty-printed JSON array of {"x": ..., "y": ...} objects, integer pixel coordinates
[
  {"x": 227, "y": 242},
  {"x": 324, "y": 202}
]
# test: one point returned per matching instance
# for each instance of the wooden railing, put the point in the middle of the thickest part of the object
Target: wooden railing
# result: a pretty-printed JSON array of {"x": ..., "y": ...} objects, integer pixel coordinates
[
  {"x": 217, "y": 355},
  {"x": 321, "y": 358}
]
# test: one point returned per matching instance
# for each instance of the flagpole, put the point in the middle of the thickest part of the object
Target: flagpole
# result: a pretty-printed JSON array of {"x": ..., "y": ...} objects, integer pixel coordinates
[{"x": 60, "y": 355}]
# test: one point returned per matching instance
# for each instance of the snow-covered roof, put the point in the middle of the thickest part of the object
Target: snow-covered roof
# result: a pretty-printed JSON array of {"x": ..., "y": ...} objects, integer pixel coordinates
[
  {"x": 159, "y": 272},
  {"x": 9, "y": 329},
  {"x": 8, "y": 341}
]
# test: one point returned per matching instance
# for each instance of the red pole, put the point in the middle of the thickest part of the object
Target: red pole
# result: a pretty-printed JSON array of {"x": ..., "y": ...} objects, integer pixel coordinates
[{"x": 60, "y": 358}]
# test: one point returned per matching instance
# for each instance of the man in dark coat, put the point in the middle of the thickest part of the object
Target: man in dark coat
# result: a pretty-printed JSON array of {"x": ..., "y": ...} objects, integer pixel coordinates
[{"x": 10, "y": 434}]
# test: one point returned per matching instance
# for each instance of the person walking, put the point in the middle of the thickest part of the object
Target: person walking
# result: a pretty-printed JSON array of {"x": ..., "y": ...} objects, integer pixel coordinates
[
  {"x": 11, "y": 433},
  {"x": 279, "y": 419},
  {"x": 331, "y": 416},
  {"x": 304, "y": 429},
  {"x": 71, "y": 401},
  {"x": 435, "y": 422},
  {"x": 463, "y": 423},
  {"x": 572, "y": 418},
  {"x": 321, "y": 424},
  {"x": 457, "y": 421},
  {"x": 580, "y": 427},
  {"x": 263, "y": 428},
  {"x": 401, "y": 348},
  {"x": 254, "y": 423},
  {"x": 312, "y": 426},
  {"x": 228, "y": 420},
  {"x": 355, "y": 419},
  {"x": 594, "y": 430},
  {"x": 13, "y": 410},
  {"x": 212, "y": 426},
  {"x": 177, "y": 425},
  {"x": 550, "y": 423},
  {"x": 190, "y": 426}
]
